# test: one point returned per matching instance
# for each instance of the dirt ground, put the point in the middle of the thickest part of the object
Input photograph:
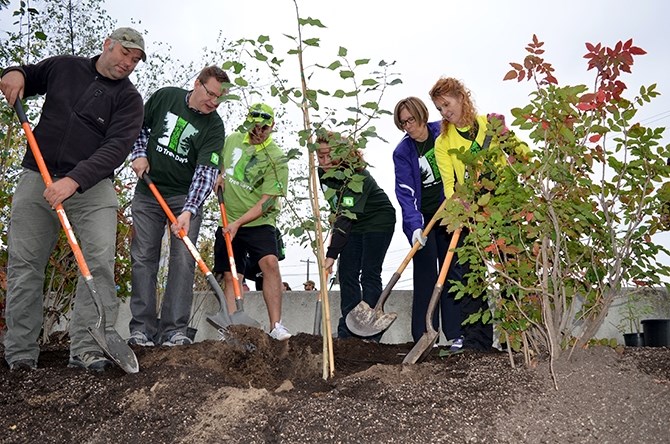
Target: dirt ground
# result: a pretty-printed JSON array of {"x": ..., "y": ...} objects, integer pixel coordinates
[{"x": 258, "y": 390}]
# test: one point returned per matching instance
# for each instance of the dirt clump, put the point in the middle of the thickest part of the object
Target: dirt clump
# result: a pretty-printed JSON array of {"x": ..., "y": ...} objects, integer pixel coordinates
[{"x": 253, "y": 389}]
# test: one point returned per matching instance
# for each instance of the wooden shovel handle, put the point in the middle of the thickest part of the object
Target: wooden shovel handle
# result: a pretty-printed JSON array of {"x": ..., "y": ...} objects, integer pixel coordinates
[{"x": 396, "y": 276}]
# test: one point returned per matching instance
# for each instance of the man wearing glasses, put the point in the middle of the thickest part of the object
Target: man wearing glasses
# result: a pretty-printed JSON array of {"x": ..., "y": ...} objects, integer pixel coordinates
[
  {"x": 179, "y": 148},
  {"x": 254, "y": 177}
]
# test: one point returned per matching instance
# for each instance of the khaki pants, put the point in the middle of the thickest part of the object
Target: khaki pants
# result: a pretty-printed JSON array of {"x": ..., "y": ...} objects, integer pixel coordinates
[{"x": 33, "y": 232}]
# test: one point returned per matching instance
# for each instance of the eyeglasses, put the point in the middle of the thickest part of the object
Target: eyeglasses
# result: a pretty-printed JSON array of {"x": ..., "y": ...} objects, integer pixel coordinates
[
  {"x": 403, "y": 123},
  {"x": 211, "y": 95},
  {"x": 256, "y": 114}
]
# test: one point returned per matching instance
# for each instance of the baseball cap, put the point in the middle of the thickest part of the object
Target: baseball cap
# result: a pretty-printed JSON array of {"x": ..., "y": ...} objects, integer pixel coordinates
[
  {"x": 261, "y": 113},
  {"x": 131, "y": 39}
]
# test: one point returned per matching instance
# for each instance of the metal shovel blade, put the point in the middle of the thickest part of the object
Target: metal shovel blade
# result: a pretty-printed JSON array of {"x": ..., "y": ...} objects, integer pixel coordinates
[
  {"x": 109, "y": 339},
  {"x": 364, "y": 320},
  {"x": 222, "y": 319},
  {"x": 116, "y": 349},
  {"x": 241, "y": 318},
  {"x": 317, "y": 318},
  {"x": 422, "y": 348},
  {"x": 219, "y": 320},
  {"x": 425, "y": 344}
]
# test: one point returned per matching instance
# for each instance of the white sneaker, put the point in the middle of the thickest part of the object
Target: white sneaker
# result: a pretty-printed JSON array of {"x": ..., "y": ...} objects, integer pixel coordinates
[
  {"x": 456, "y": 345},
  {"x": 280, "y": 332}
]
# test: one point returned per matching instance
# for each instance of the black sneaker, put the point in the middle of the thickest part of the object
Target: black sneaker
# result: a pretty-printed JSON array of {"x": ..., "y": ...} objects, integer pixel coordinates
[
  {"x": 140, "y": 338},
  {"x": 22, "y": 365},
  {"x": 93, "y": 360}
]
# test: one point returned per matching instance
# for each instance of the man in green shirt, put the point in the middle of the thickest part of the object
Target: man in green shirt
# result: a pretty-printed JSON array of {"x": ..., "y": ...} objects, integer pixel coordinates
[
  {"x": 179, "y": 148},
  {"x": 254, "y": 177}
]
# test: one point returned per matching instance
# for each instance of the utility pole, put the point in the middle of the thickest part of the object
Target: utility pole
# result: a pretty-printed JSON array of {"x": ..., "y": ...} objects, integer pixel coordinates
[{"x": 308, "y": 261}]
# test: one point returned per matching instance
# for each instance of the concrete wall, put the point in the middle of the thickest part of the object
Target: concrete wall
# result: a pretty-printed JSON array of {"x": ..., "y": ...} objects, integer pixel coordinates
[
  {"x": 299, "y": 308},
  {"x": 298, "y": 312}
]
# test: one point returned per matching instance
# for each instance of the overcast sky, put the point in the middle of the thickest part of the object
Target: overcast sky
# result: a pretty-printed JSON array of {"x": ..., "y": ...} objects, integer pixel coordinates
[{"x": 470, "y": 40}]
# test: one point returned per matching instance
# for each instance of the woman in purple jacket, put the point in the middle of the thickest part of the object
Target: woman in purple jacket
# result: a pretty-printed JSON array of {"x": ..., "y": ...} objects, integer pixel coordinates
[{"x": 419, "y": 190}]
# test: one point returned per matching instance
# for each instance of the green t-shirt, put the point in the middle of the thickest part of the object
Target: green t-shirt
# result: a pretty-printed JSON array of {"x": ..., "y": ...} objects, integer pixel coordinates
[
  {"x": 372, "y": 207},
  {"x": 431, "y": 182},
  {"x": 179, "y": 140},
  {"x": 252, "y": 171}
]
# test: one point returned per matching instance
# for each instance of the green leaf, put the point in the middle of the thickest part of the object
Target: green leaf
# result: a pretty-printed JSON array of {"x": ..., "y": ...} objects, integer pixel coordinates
[
  {"x": 356, "y": 183},
  {"x": 484, "y": 200},
  {"x": 346, "y": 74},
  {"x": 312, "y": 22},
  {"x": 342, "y": 52}
]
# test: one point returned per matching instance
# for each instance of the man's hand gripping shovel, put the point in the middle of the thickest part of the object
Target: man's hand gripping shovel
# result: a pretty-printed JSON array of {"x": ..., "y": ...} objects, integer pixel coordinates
[
  {"x": 107, "y": 338},
  {"x": 221, "y": 319},
  {"x": 366, "y": 321}
]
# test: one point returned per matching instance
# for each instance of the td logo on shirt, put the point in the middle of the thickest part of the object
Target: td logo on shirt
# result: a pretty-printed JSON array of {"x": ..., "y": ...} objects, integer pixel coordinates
[{"x": 348, "y": 201}]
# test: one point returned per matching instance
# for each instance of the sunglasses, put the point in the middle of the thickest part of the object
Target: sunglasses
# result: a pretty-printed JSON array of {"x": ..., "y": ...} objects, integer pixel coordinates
[{"x": 263, "y": 115}]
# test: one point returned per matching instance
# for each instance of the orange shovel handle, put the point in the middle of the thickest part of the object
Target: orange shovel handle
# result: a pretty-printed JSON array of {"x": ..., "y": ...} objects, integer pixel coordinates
[
  {"x": 229, "y": 244},
  {"x": 181, "y": 234},
  {"x": 44, "y": 171}
]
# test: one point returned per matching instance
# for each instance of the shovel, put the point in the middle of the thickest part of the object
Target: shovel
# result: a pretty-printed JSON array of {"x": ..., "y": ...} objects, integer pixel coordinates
[
  {"x": 425, "y": 344},
  {"x": 108, "y": 339},
  {"x": 239, "y": 302},
  {"x": 221, "y": 319},
  {"x": 366, "y": 321},
  {"x": 317, "y": 316}
]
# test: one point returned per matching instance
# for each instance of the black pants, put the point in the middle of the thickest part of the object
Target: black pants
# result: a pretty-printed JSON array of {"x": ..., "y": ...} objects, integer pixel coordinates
[
  {"x": 360, "y": 270},
  {"x": 427, "y": 263},
  {"x": 476, "y": 336}
]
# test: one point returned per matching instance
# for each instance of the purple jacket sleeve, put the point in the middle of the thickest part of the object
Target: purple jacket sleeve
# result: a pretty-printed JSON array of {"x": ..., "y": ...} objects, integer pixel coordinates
[{"x": 408, "y": 185}]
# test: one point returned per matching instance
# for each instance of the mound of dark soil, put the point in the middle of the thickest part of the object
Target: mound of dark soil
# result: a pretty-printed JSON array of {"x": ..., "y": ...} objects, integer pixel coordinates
[{"x": 253, "y": 389}]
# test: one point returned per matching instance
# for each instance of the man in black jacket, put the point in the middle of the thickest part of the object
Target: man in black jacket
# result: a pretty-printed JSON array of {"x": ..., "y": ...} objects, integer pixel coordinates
[{"x": 91, "y": 116}]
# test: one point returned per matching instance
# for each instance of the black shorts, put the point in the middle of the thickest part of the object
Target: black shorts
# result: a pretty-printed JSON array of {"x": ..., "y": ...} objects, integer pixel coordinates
[{"x": 256, "y": 242}]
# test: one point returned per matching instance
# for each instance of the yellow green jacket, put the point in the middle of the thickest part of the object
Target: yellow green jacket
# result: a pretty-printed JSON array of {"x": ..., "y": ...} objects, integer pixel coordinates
[{"x": 450, "y": 166}]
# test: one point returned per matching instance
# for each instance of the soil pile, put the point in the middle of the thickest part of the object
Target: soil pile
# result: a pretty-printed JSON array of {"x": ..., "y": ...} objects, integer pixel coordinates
[{"x": 252, "y": 389}]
